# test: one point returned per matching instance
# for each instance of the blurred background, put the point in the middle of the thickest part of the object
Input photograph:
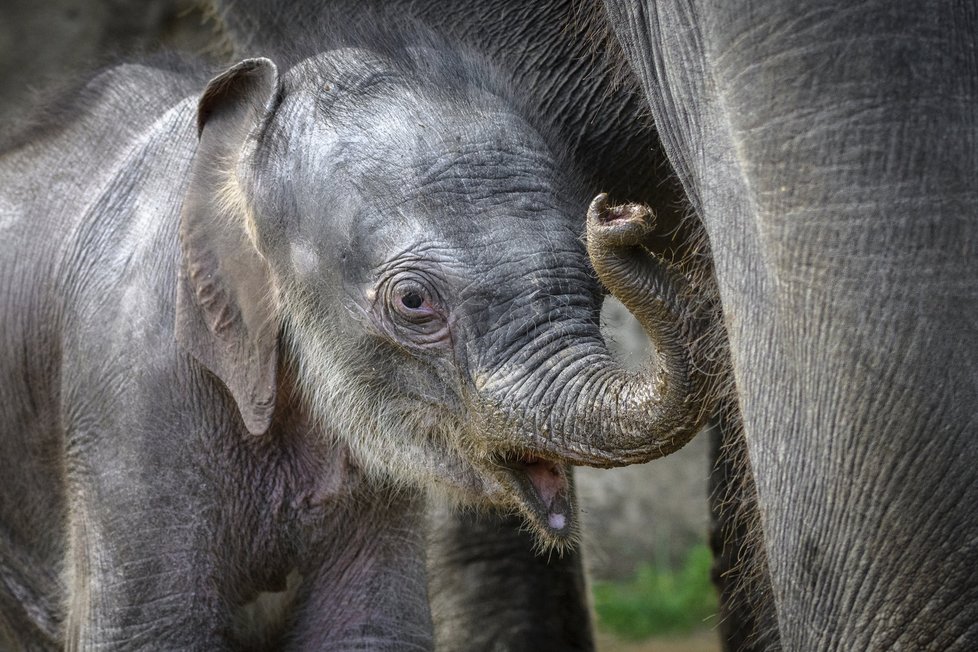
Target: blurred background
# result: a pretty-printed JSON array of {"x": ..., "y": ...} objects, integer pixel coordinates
[{"x": 645, "y": 526}]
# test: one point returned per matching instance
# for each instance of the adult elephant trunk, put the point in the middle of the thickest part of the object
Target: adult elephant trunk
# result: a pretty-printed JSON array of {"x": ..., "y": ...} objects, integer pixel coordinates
[{"x": 584, "y": 406}]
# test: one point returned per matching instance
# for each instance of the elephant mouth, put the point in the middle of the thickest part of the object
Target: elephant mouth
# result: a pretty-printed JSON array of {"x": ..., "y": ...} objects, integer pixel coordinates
[{"x": 543, "y": 487}]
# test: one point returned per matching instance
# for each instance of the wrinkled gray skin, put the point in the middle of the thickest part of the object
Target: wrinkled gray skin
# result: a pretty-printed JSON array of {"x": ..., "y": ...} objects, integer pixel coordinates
[
  {"x": 832, "y": 153},
  {"x": 243, "y": 333}
]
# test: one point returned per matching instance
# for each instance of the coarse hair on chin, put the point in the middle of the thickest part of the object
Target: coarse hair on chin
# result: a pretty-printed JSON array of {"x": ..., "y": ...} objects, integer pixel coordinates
[
  {"x": 394, "y": 437},
  {"x": 397, "y": 440}
]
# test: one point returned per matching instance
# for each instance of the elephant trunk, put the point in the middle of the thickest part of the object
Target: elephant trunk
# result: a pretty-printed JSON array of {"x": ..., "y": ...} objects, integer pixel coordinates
[{"x": 593, "y": 411}]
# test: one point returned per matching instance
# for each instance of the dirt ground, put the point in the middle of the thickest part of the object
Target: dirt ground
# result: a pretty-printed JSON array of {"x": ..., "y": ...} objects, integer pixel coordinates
[{"x": 698, "y": 642}]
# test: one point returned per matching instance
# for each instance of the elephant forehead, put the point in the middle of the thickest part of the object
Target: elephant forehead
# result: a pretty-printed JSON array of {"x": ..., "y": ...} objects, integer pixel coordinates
[
  {"x": 480, "y": 180},
  {"x": 467, "y": 184},
  {"x": 484, "y": 174},
  {"x": 468, "y": 152},
  {"x": 504, "y": 232},
  {"x": 391, "y": 154}
]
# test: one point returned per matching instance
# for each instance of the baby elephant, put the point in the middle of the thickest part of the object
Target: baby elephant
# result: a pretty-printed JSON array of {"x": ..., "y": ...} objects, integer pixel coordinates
[{"x": 244, "y": 334}]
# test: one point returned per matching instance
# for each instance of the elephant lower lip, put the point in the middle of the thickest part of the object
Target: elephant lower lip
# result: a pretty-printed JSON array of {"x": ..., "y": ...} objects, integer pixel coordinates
[{"x": 546, "y": 482}]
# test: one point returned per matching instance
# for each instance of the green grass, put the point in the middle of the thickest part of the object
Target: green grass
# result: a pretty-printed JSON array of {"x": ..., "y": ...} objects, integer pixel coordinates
[{"x": 658, "y": 600}]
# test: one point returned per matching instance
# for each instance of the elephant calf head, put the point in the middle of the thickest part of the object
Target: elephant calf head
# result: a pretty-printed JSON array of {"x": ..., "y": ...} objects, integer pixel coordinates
[{"x": 392, "y": 232}]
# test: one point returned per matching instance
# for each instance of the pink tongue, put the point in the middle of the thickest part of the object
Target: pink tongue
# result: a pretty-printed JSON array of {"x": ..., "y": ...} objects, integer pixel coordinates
[{"x": 551, "y": 487}]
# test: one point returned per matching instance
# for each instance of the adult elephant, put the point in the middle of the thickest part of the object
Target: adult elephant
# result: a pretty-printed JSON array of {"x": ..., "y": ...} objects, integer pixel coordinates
[{"x": 832, "y": 153}]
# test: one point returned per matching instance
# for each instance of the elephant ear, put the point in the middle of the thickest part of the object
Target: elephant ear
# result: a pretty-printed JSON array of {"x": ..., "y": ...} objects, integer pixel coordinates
[{"x": 227, "y": 315}]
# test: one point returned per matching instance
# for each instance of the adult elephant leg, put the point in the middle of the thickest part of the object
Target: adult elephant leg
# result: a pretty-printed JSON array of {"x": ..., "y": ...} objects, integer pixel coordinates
[
  {"x": 831, "y": 153},
  {"x": 492, "y": 589},
  {"x": 747, "y": 621}
]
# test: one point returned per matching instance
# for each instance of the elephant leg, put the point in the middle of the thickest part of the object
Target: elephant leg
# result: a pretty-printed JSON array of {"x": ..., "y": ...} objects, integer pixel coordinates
[
  {"x": 135, "y": 581},
  {"x": 831, "y": 157},
  {"x": 362, "y": 577},
  {"x": 491, "y": 588},
  {"x": 747, "y": 618}
]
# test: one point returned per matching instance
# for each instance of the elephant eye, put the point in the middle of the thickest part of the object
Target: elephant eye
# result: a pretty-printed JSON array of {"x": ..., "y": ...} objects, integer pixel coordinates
[
  {"x": 412, "y": 300},
  {"x": 410, "y": 310}
]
